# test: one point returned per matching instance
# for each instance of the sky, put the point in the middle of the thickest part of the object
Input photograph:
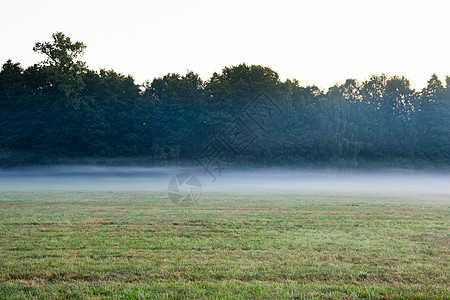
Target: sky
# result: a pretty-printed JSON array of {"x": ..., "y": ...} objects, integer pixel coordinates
[{"x": 320, "y": 42}]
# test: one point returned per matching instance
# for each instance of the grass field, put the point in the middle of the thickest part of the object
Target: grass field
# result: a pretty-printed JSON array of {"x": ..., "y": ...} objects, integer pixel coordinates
[{"x": 136, "y": 245}]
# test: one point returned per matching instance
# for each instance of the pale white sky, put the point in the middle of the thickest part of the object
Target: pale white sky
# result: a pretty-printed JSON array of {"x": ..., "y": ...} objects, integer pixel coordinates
[{"x": 317, "y": 42}]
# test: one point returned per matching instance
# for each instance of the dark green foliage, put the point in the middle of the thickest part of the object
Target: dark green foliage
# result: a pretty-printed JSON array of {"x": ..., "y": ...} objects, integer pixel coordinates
[{"x": 59, "y": 110}]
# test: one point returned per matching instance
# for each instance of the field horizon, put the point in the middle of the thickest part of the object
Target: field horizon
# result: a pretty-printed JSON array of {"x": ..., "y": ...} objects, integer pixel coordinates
[{"x": 229, "y": 245}]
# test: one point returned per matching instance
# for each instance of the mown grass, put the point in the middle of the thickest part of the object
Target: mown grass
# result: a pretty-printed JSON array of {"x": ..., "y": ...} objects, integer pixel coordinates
[{"x": 136, "y": 245}]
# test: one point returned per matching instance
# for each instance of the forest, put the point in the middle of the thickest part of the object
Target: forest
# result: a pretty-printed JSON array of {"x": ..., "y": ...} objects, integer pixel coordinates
[{"x": 59, "y": 111}]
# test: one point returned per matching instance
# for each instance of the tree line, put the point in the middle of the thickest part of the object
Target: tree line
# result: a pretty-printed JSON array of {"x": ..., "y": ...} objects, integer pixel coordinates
[{"x": 59, "y": 111}]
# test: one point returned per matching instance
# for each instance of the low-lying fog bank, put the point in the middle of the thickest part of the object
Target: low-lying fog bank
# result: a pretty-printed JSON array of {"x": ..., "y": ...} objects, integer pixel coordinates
[{"x": 140, "y": 178}]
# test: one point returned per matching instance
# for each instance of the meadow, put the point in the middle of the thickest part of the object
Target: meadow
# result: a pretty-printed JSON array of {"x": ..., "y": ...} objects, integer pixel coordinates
[{"x": 235, "y": 245}]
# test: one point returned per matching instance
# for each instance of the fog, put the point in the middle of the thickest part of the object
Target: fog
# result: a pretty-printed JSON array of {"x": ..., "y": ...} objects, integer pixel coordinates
[{"x": 260, "y": 180}]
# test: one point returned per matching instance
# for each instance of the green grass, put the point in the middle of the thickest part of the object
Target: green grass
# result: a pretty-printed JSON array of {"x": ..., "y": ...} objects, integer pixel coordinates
[{"x": 137, "y": 245}]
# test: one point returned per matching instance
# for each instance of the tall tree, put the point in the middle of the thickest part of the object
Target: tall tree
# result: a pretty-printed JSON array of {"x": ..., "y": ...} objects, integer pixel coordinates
[
  {"x": 62, "y": 62},
  {"x": 434, "y": 122}
]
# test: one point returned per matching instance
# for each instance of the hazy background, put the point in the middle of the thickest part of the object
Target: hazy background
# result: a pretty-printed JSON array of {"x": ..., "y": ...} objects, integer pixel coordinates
[{"x": 318, "y": 42}]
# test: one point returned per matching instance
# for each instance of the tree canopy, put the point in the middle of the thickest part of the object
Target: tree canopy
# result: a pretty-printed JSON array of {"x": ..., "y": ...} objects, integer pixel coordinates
[{"x": 59, "y": 110}]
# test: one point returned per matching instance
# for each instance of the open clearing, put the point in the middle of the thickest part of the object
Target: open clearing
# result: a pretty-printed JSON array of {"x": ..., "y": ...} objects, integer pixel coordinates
[{"x": 133, "y": 245}]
